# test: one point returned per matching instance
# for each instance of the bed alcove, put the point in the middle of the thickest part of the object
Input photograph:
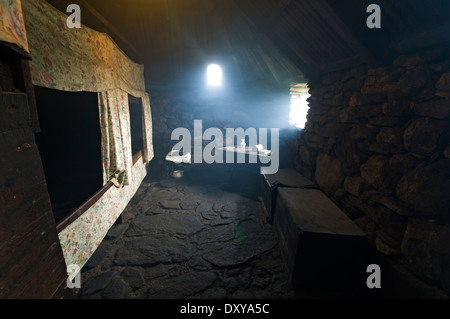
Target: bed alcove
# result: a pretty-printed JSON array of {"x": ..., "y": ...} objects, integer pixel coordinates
[{"x": 70, "y": 147}]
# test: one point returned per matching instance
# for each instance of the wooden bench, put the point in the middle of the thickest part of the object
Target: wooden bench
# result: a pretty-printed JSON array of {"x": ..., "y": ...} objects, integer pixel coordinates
[
  {"x": 321, "y": 246},
  {"x": 285, "y": 177}
]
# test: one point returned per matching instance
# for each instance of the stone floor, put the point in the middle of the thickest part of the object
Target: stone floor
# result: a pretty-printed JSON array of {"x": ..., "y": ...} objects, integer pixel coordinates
[
  {"x": 197, "y": 237},
  {"x": 205, "y": 236}
]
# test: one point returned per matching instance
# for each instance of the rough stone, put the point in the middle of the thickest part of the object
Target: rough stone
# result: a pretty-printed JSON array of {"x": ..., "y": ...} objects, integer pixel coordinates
[
  {"x": 396, "y": 105},
  {"x": 358, "y": 99},
  {"x": 219, "y": 222},
  {"x": 422, "y": 135},
  {"x": 378, "y": 148},
  {"x": 235, "y": 253},
  {"x": 345, "y": 148},
  {"x": 155, "y": 210},
  {"x": 355, "y": 185},
  {"x": 217, "y": 234},
  {"x": 116, "y": 230},
  {"x": 189, "y": 204},
  {"x": 183, "y": 286},
  {"x": 439, "y": 109},
  {"x": 391, "y": 223},
  {"x": 426, "y": 245},
  {"x": 426, "y": 189},
  {"x": 133, "y": 277},
  {"x": 414, "y": 80},
  {"x": 97, "y": 283},
  {"x": 157, "y": 271},
  {"x": 329, "y": 174},
  {"x": 375, "y": 170},
  {"x": 168, "y": 223},
  {"x": 444, "y": 82},
  {"x": 306, "y": 156},
  {"x": 361, "y": 132},
  {"x": 402, "y": 163},
  {"x": 390, "y": 135},
  {"x": 332, "y": 129},
  {"x": 210, "y": 214},
  {"x": 148, "y": 250},
  {"x": 388, "y": 240},
  {"x": 379, "y": 88},
  {"x": 115, "y": 290},
  {"x": 204, "y": 207},
  {"x": 216, "y": 293},
  {"x": 385, "y": 248},
  {"x": 98, "y": 256},
  {"x": 170, "y": 204}
]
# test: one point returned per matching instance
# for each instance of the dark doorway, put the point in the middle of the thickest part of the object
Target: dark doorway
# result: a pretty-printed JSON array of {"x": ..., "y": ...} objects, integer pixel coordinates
[{"x": 70, "y": 147}]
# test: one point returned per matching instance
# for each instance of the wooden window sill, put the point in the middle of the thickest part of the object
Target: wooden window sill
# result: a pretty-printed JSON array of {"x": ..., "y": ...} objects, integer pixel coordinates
[{"x": 83, "y": 208}]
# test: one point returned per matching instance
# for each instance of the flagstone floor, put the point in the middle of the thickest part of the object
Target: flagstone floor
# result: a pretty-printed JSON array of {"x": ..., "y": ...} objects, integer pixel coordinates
[{"x": 198, "y": 237}]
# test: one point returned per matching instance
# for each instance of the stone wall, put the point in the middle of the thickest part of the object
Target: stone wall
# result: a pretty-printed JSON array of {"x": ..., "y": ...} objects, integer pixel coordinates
[{"x": 377, "y": 142}]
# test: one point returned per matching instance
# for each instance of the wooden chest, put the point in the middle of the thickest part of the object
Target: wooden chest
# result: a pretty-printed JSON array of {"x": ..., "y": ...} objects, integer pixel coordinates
[
  {"x": 321, "y": 246},
  {"x": 285, "y": 177}
]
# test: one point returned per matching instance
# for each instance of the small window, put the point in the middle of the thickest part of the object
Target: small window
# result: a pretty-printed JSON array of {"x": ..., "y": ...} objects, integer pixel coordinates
[
  {"x": 214, "y": 74},
  {"x": 299, "y": 105}
]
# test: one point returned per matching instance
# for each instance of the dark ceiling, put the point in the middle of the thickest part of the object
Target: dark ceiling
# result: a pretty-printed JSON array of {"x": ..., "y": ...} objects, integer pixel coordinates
[{"x": 262, "y": 41}]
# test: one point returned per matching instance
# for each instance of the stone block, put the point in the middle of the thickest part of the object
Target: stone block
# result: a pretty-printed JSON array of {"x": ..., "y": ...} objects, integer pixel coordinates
[
  {"x": 329, "y": 173},
  {"x": 355, "y": 185},
  {"x": 414, "y": 80},
  {"x": 439, "y": 109},
  {"x": 443, "y": 83},
  {"x": 390, "y": 135},
  {"x": 375, "y": 170},
  {"x": 426, "y": 246},
  {"x": 426, "y": 189},
  {"x": 422, "y": 135}
]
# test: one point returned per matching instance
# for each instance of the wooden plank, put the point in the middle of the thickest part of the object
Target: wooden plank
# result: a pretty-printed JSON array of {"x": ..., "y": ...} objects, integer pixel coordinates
[
  {"x": 313, "y": 212},
  {"x": 83, "y": 208},
  {"x": 137, "y": 156},
  {"x": 31, "y": 261},
  {"x": 30, "y": 93},
  {"x": 14, "y": 111},
  {"x": 321, "y": 246},
  {"x": 288, "y": 177}
]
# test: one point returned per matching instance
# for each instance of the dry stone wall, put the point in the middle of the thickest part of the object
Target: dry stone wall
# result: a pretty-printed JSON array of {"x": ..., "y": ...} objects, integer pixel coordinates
[{"x": 377, "y": 142}]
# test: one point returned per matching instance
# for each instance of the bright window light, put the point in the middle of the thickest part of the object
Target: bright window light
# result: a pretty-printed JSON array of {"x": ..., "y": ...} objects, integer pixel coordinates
[
  {"x": 214, "y": 75},
  {"x": 299, "y": 106}
]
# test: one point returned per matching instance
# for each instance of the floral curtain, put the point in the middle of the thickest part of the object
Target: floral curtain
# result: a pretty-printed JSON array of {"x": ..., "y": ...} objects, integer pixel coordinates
[
  {"x": 76, "y": 59},
  {"x": 116, "y": 136},
  {"x": 85, "y": 60},
  {"x": 12, "y": 28},
  {"x": 148, "y": 129}
]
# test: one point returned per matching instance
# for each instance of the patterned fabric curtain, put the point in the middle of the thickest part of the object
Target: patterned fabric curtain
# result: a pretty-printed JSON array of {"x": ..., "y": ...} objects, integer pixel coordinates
[
  {"x": 116, "y": 136},
  {"x": 148, "y": 129},
  {"x": 12, "y": 28},
  {"x": 76, "y": 59}
]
